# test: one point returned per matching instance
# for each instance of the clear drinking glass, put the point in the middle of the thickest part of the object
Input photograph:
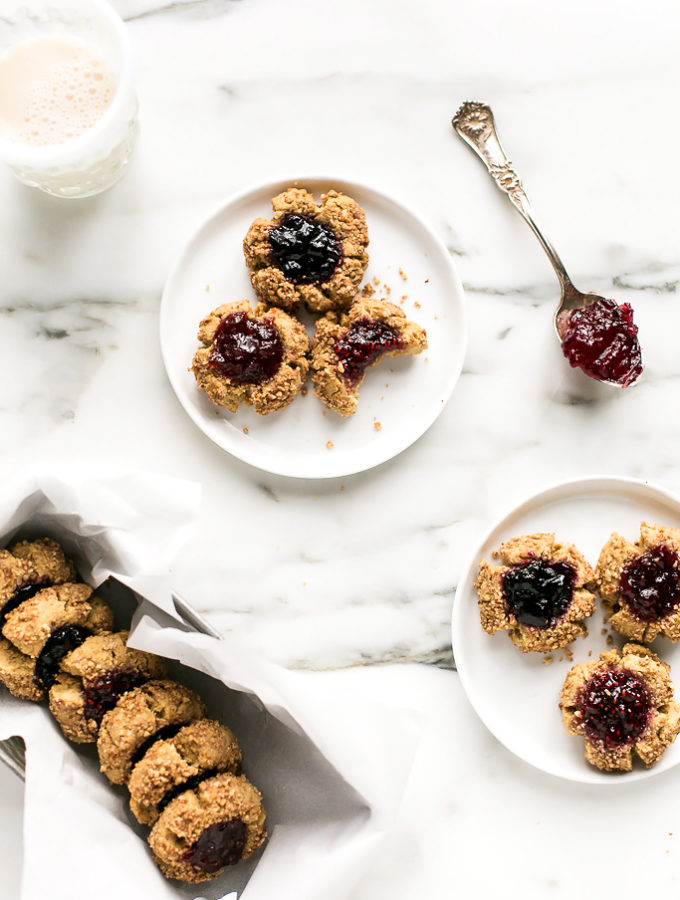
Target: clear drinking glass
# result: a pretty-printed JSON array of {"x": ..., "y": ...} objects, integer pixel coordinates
[{"x": 96, "y": 159}]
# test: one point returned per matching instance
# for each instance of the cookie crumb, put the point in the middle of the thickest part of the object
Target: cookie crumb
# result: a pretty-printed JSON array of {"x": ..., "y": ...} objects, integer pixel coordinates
[
  {"x": 304, "y": 391},
  {"x": 403, "y": 275},
  {"x": 207, "y": 288},
  {"x": 245, "y": 431},
  {"x": 427, "y": 281},
  {"x": 342, "y": 487},
  {"x": 547, "y": 660},
  {"x": 609, "y": 639},
  {"x": 329, "y": 445},
  {"x": 367, "y": 290},
  {"x": 376, "y": 280},
  {"x": 416, "y": 304},
  {"x": 377, "y": 426}
]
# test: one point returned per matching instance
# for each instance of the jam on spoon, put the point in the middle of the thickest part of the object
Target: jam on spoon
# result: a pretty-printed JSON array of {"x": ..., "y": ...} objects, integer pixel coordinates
[{"x": 596, "y": 334}]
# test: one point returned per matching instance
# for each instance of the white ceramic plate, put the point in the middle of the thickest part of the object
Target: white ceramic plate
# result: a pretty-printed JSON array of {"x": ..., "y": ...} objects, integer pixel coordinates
[
  {"x": 296, "y": 440},
  {"x": 515, "y": 694}
]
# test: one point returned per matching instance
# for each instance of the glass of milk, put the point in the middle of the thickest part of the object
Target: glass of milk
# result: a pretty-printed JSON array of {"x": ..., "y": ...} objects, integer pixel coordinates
[{"x": 67, "y": 101}]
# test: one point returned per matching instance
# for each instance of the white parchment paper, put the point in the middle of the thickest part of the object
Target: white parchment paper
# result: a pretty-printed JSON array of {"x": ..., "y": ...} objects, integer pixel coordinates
[{"x": 331, "y": 766}]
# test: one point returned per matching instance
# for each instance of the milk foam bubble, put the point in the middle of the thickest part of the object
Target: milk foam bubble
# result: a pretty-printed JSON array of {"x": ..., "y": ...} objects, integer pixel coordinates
[{"x": 52, "y": 89}]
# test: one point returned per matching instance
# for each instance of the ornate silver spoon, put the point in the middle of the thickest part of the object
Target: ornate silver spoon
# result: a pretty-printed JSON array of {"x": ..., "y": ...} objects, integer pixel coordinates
[{"x": 610, "y": 326}]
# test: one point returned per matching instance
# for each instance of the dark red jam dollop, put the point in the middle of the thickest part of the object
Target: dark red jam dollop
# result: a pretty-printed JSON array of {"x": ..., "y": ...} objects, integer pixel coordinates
[
  {"x": 102, "y": 694},
  {"x": 306, "y": 251},
  {"x": 362, "y": 344},
  {"x": 58, "y": 644},
  {"x": 217, "y": 846},
  {"x": 537, "y": 592},
  {"x": 650, "y": 583},
  {"x": 246, "y": 351},
  {"x": 601, "y": 339},
  {"x": 615, "y": 707},
  {"x": 23, "y": 592}
]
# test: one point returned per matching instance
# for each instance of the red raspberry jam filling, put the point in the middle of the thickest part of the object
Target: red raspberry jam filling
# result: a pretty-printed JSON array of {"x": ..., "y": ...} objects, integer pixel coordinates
[
  {"x": 306, "y": 251},
  {"x": 245, "y": 350},
  {"x": 615, "y": 707},
  {"x": 538, "y": 591},
  {"x": 650, "y": 583},
  {"x": 364, "y": 343},
  {"x": 58, "y": 644},
  {"x": 102, "y": 694},
  {"x": 217, "y": 846},
  {"x": 23, "y": 592},
  {"x": 601, "y": 339}
]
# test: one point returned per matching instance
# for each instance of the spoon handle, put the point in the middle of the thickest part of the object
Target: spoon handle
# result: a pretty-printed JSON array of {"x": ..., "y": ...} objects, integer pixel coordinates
[{"x": 474, "y": 122}]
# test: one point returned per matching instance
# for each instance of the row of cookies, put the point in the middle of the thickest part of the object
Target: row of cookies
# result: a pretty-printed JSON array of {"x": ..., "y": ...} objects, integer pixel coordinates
[
  {"x": 181, "y": 768},
  {"x": 542, "y": 593},
  {"x": 305, "y": 255},
  {"x": 543, "y": 590}
]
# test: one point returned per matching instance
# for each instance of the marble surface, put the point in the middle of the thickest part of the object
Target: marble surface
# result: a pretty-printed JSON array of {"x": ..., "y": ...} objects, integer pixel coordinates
[{"x": 356, "y": 573}]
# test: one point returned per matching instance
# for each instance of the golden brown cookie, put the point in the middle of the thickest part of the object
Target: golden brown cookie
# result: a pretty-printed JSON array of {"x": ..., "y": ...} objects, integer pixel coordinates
[
  {"x": 205, "y": 829},
  {"x": 198, "y": 751},
  {"x": 640, "y": 583},
  {"x": 538, "y": 594},
  {"x": 47, "y": 558},
  {"x": 623, "y": 705},
  {"x": 345, "y": 346},
  {"x": 307, "y": 253},
  {"x": 139, "y": 718},
  {"x": 92, "y": 679},
  {"x": 18, "y": 581},
  {"x": 32, "y": 623},
  {"x": 17, "y": 673},
  {"x": 257, "y": 357}
]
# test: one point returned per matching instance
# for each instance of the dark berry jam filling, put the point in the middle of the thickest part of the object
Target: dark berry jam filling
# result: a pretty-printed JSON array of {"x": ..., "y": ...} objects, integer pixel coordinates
[
  {"x": 163, "y": 734},
  {"x": 615, "y": 707},
  {"x": 602, "y": 340},
  {"x": 246, "y": 351},
  {"x": 306, "y": 251},
  {"x": 58, "y": 644},
  {"x": 23, "y": 592},
  {"x": 538, "y": 591},
  {"x": 187, "y": 785},
  {"x": 102, "y": 694},
  {"x": 364, "y": 343},
  {"x": 217, "y": 846},
  {"x": 650, "y": 583}
]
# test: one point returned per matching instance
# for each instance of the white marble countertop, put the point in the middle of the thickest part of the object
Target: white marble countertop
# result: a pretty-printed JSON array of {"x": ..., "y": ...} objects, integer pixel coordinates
[{"x": 355, "y": 573}]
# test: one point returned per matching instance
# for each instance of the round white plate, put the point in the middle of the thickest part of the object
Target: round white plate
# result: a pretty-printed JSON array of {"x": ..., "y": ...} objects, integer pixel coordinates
[
  {"x": 404, "y": 395},
  {"x": 514, "y": 693}
]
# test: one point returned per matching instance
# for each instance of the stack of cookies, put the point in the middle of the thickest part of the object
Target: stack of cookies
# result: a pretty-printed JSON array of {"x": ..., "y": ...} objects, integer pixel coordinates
[{"x": 181, "y": 768}]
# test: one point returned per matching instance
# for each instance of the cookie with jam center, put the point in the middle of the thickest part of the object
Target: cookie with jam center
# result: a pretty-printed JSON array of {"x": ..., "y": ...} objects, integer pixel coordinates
[
  {"x": 539, "y": 594},
  {"x": 640, "y": 583},
  {"x": 252, "y": 356},
  {"x": 152, "y": 712},
  {"x": 622, "y": 704},
  {"x": 306, "y": 253},
  {"x": 205, "y": 829},
  {"x": 170, "y": 767},
  {"x": 92, "y": 679},
  {"x": 346, "y": 346}
]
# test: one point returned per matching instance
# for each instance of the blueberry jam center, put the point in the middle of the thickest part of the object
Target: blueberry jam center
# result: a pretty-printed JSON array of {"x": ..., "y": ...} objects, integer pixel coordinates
[
  {"x": 615, "y": 707},
  {"x": 188, "y": 785},
  {"x": 650, "y": 583},
  {"x": 58, "y": 644},
  {"x": 102, "y": 694},
  {"x": 246, "y": 351},
  {"x": 23, "y": 592},
  {"x": 217, "y": 846},
  {"x": 537, "y": 592},
  {"x": 364, "y": 343},
  {"x": 306, "y": 251},
  {"x": 601, "y": 339}
]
